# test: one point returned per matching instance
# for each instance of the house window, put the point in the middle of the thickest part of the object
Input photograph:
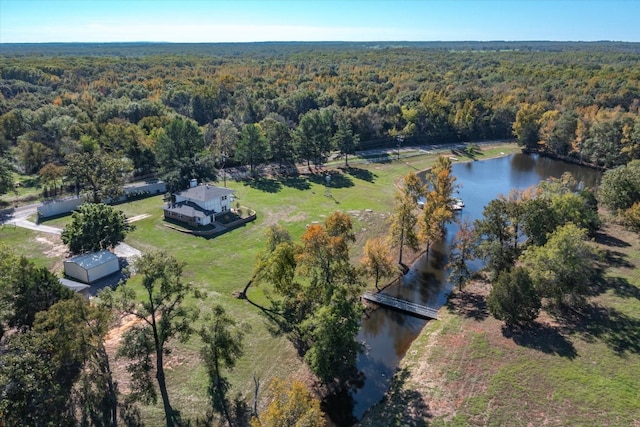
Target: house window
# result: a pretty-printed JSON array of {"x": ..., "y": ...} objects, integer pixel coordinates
[{"x": 224, "y": 197}]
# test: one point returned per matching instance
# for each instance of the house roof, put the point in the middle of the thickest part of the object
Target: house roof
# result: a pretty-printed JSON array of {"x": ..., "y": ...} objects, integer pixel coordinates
[
  {"x": 88, "y": 261},
  {"x": 188, "y": 209},
  {"x": 206, "y": 192}
]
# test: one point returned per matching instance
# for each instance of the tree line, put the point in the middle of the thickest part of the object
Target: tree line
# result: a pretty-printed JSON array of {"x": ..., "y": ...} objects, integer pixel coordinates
[{"x": 185, "y": 114}]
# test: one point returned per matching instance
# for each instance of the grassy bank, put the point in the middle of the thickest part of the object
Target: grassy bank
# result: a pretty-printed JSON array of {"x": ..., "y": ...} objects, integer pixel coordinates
[
  {"x": 465, "y": 369},
  {"x": 222, "y": 265}
]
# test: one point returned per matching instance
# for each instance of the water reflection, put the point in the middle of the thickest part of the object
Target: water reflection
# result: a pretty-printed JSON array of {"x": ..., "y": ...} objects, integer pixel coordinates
[{"x": 387, "y": 334}]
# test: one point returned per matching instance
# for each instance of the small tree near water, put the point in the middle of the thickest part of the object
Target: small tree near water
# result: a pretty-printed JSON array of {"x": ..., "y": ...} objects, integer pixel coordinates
[
  {"x": 377, "y": 261},
  {"x": 514, "y": 298}
]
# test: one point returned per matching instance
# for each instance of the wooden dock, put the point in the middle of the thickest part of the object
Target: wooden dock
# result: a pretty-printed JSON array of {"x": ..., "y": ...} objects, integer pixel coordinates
[{"x": 402, "y": 305}]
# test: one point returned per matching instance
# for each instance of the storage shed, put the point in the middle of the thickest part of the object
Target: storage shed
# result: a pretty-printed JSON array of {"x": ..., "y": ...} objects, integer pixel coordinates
[{"x": 88, "y": 268}]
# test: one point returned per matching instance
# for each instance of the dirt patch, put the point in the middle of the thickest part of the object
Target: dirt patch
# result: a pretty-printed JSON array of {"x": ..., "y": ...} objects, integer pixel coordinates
[
  {"x": 55, "y": 247},
  {"x": 111, "y": 344},
  {"x": 283, "y": 214},
  {"x": 138, "y": 218}
]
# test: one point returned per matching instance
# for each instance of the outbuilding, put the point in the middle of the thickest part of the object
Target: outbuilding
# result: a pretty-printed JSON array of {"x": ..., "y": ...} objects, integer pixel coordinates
[{"x": 88, "y": 268}]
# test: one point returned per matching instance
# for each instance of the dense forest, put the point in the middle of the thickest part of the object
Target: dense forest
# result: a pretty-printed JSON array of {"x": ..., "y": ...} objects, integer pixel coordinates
[
  {"x": 91, "y": 116},
  {"x": 181, "y": 111}
]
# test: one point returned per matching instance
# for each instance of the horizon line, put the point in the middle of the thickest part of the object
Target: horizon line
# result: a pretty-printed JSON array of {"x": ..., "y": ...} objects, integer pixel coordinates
[{"x": 328, "y": 41}]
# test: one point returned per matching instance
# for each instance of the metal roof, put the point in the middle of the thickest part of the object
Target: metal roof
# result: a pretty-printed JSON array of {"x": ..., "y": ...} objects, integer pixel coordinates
[
  {"x": 94, "y": 259},
  {"x": 73, "y": 285}
]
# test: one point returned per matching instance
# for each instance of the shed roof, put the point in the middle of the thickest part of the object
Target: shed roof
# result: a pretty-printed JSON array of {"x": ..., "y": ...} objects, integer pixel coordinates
[
  {"x": 73, "y": 285},
  {"x": 206, "y": 192},
  {"x": 88, "y": 261}
]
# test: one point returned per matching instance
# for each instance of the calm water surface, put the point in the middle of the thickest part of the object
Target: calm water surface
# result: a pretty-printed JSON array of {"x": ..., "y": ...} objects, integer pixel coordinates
[{"x": 387, "y": 334}]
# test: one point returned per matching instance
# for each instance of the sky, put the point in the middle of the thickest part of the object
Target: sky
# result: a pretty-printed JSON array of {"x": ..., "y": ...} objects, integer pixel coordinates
[{"x": 199, "y": 21}]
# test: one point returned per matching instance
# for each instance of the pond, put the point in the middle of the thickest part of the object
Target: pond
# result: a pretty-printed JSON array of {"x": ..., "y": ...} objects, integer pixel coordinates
[{"x": 387, "y": 334}]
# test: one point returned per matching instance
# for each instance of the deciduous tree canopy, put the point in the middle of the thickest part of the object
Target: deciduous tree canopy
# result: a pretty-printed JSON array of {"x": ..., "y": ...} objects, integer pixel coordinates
[{"x": 95, "y": 227}]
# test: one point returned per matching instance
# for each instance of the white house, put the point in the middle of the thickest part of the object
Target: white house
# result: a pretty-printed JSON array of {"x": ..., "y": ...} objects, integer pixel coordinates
[
  {"x": 199, "y": 204},
  {"x": 88, "y": 268}
]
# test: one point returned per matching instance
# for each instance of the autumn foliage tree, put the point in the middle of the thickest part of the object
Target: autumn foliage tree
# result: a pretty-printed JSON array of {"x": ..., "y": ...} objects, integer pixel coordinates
[
  {"x": 377, "y": 261},
  {"x": 317, "y": 289},
  {"x": 437, "y": 210},
  {"x": 402, "y": 230},
  {"x": 291, "y": 405}
]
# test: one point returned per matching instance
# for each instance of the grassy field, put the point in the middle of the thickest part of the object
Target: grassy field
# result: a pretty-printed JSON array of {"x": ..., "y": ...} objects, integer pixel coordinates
[
  {"x": 464, "y": 369},
  {"x": 223, "y": 265},
  {"x": 577, "y": 370},
  {"x": 27, "y": 190}
]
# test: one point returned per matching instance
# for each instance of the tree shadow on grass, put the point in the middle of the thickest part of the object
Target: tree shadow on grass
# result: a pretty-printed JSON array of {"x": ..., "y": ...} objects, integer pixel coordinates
[
  {"x": 401, "y": 406},
  {"x": 620, "y": 286},
  {"x": 277, "y": 323},
  {"x": 618, "y": 331},
  {"x": 358, "y": 173},
  {"x": 297, "y": 182},
  {"x": 470, "y": 305},
  {"x": 338, "y": 180},
  {"x": 617, "y": 259},
  {"x": 542, "y": 337},
  {"x": 264, "y": 184},
  {"x": 609, "y": 240}
]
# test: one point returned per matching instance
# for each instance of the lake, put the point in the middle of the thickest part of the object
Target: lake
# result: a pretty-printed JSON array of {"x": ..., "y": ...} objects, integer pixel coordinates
[{"x": 387, "y": 334}]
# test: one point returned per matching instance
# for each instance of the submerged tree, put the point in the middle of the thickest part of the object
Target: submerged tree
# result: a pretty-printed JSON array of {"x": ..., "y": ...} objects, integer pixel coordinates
[
  {"x": 377, "y": 261},
  {"x": 437, "y": 210},
  {"x": 463, "y": 250},
  {"x": 402, "y": 231}
]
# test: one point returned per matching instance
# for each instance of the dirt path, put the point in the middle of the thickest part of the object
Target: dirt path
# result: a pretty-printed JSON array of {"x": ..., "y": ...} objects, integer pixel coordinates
[{"x": 138, "y": 218}]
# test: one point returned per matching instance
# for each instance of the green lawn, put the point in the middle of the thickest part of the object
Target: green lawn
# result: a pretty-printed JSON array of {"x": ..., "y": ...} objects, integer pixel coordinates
[
  {"x": 42, "y": 249},
  {"x": 27, "y": 191},
  {"x": 222, "y": 265}
]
